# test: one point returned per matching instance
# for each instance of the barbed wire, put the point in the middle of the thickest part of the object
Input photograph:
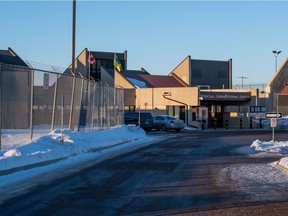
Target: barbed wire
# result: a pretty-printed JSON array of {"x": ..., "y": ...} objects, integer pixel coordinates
[
  {"x": 46, "y": 67},
  {"x": 252, "y": 85}
]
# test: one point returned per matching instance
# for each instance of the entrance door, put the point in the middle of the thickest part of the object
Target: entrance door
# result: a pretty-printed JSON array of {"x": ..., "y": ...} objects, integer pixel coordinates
[
  {"x": 216, "y": 115},
  {"x": 177, "y": 112}
]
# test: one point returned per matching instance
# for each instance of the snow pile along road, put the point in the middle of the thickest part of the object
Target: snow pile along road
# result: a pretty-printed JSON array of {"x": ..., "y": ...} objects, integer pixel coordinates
[
  {"x": 51, "y": 147},
  {"x": 273, "y": 147}
]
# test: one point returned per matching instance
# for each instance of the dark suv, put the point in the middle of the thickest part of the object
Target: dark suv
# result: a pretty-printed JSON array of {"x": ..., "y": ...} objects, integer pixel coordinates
[{"x": 146, "y": 119}]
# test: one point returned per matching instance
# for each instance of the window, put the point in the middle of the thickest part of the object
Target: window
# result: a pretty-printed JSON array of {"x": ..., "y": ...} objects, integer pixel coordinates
[
  {"x": 231, "y": 109},
  {"x": 197, "y": 73}
]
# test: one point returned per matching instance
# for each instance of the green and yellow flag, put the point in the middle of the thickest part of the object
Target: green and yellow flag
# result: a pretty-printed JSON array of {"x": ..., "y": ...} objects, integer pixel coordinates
[{"x": 117, "y": 63}]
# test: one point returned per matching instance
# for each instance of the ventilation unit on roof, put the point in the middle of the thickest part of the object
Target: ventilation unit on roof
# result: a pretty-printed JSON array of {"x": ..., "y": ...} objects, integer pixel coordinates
[
  {"x": 204, "y": 87},
  {"x": 167, "y": 94}
]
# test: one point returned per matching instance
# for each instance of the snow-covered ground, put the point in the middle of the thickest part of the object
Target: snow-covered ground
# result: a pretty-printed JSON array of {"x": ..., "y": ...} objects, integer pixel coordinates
[
  {"x": 22, "y": 166},
  {"x": 57, "y": 145},
  {"x": 73, "y": 148},
  {"x": 273, "y": 147}
]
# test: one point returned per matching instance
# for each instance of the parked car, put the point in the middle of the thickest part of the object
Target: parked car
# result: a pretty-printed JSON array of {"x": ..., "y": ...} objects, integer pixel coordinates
[
  {"x": 146, "y": 119},
  {"x": 165, "y": 123}
]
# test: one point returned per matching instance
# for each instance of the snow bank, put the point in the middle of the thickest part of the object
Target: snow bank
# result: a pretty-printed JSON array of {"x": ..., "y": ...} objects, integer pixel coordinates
[
  {"x": 283, "y": 162},
  {"x": 50, "y": 147},
  {"x": 272, "y": 147}
]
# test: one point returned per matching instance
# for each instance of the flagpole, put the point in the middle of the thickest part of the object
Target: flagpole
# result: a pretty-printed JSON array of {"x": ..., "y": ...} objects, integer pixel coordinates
[
  {"x": 89, "y": 65},
  {"x": 89, "y": 74}
]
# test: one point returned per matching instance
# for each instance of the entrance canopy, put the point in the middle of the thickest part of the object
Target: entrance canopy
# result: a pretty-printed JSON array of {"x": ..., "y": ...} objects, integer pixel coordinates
[{"x": 213, "y": 95}]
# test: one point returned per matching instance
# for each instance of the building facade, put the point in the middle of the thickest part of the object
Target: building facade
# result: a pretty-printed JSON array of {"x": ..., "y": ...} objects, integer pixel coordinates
[
  {"x": 206, "y": 74},
  {"x": 277, "y": 89},
  {"x": 102, "y": 60}
]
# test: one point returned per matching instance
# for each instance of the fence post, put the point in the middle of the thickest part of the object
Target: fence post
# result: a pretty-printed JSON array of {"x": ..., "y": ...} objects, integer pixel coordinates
[
  {"x": 62, "y": 118},
  {"x": 108, "y": 108},
  {"x": 54, "y": 104},
  {"x": 101, "y": 106},
  {"x": 31, "y": 103},
  {"x": 93, "y": 106},
  {"x": 81, "y": 103},
  {"x": 71, "y": 126},
  {"x": 0, "y": 106}
]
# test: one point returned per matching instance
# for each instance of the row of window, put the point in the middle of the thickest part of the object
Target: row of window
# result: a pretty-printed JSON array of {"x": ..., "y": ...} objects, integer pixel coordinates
[
  {"x": 198, "y": 74},
  {"x": 95, "y": 69}
]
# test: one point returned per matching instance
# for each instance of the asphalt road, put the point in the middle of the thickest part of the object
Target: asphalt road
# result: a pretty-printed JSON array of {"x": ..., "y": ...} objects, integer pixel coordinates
[{"x": 190, "y": 173}]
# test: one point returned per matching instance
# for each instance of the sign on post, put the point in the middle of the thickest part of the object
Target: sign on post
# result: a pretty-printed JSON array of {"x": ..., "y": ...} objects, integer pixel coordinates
[
  {"x": 273, "y": 122},
  {"x": 273, "y": 115},
  {"x": 46, "y": 81}
]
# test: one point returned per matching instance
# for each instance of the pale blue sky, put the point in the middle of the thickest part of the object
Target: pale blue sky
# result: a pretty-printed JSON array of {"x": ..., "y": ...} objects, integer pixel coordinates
[{"x": 158, "y": 35}]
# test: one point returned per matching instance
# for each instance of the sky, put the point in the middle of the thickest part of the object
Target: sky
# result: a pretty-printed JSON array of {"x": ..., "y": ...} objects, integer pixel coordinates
[
  {"x": 87, "y": 148},
  {"x": 157, "y": 35}
]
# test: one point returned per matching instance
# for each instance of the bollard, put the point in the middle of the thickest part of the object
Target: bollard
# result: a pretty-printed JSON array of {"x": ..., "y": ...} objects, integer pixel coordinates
[
  {"x": 241, "y": 123},
  {"x": 251, "y": 123},
  {"x": 226, "y": 124},
  {"x": 260, "y": 122},
  {"x": 215, "y": 123},
  {"x": 203, "y": 124}
]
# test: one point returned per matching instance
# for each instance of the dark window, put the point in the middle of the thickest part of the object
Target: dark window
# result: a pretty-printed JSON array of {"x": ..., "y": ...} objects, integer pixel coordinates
[
  {"x": 197, "y": 73},
  {"x": 222, "y": 74}
]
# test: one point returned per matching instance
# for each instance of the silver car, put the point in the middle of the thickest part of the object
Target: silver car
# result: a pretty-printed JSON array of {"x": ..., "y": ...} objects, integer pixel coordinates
[{"x": 165, "y": 122}]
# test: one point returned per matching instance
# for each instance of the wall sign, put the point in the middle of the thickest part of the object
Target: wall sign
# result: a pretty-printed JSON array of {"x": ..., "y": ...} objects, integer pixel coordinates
[
  {"x": 46, "y": 81},
  {"x": 226, "y": 96}
]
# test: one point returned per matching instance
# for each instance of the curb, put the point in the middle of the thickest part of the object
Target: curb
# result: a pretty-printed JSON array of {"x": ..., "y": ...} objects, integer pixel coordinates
[{"x": 284, "y": 169}]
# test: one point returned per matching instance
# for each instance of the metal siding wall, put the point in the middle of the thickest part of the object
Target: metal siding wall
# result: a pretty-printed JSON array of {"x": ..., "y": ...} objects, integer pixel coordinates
[{"x": 210, "y": 73}]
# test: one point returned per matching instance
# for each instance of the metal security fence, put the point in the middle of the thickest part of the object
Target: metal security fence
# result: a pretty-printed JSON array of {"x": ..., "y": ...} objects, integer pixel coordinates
[{"x": 35, "y": 102}]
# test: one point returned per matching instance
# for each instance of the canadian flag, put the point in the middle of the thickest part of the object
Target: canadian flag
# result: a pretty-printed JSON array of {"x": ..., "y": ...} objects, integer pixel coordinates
[{"x": 91, "y": 59}]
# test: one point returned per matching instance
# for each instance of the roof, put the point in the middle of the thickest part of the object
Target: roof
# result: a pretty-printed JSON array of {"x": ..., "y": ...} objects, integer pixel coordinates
[
  {"x": 107, "y": 55},
  {"x": 279, "y": 80},
  {"x": 143, "y": 80},
  {"x": 10, "y": 57},
  {"x": 285, "y": 89}
]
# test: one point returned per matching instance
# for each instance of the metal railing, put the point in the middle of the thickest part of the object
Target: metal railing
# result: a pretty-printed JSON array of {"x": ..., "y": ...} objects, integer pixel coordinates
[{"x": 34, "y": 102}]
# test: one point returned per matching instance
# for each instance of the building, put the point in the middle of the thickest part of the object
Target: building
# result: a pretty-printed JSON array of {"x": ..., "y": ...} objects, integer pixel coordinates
[
  {"x": 277, "y": 89},
  {"x": 158, "y": 94},
  {"x": 206, "y": 74},
  {"x": 197, "y": 91},
  {"x": 102, "y": 60}
]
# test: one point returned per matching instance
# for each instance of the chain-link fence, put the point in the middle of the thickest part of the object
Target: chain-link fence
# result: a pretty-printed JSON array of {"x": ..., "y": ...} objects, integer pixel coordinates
[{"x": 35, "y": 102}]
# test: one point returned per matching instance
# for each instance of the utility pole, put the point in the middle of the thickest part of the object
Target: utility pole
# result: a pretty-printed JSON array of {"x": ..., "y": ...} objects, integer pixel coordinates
[
  {"x": 71, "y": 126},
  {"x": 243, "y": 77}
]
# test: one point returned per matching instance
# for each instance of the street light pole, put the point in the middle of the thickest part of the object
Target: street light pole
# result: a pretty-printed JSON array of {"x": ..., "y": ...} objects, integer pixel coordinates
[{"x": 276, "y": 53}]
